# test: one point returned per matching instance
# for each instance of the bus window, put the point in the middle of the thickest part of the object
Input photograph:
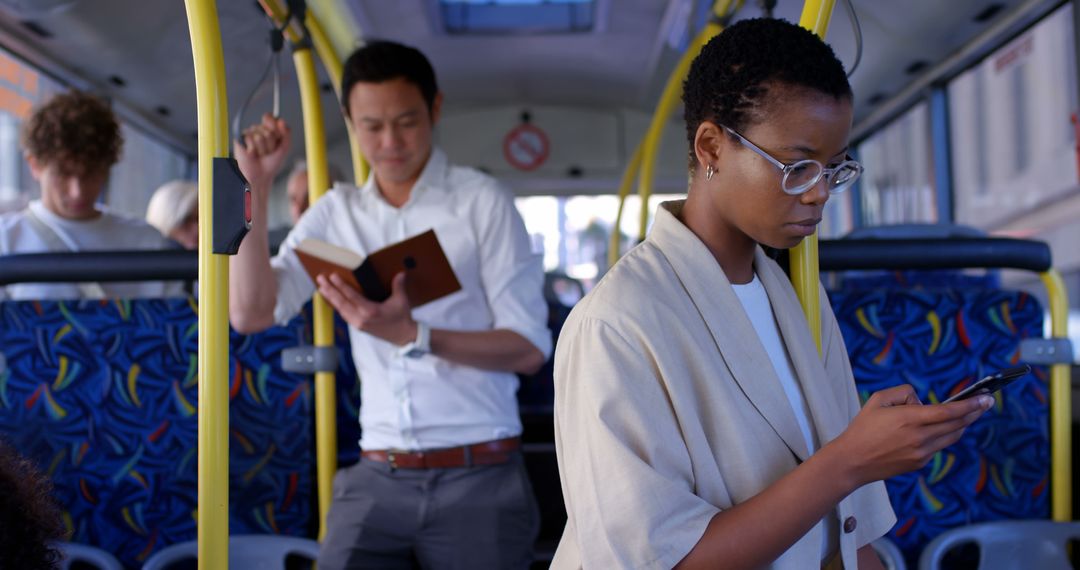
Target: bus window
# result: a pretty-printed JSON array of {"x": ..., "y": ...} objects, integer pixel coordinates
[
  {"x": 21, "y": 88},
  {"x": 898, "y": 186},
  {"x": 573, "y": 232},
  {"x": 1013, "y": 145},
  {"x": 145, "y": 163}
]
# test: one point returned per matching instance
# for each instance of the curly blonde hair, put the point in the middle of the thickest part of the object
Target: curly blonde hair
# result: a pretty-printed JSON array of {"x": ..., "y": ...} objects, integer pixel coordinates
[{"x": 76, "y": 131}]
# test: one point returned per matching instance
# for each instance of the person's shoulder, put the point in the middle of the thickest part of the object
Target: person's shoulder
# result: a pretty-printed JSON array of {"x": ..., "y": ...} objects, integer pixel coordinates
[
  {"x": 11, "y": 223},
  {"x": 9, "y": 220},
  {"x": 339, "y": 195},
  {"x": 480, "y": 185},
  {"x": 638, "y": 288},
  {"x": 130, "y": 228},
  {"x": 125, "y": 221}
]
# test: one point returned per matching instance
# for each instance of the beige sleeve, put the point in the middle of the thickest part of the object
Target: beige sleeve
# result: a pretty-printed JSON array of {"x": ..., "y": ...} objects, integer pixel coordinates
[
  {"x": 871, "y": 502},
  {"x": 626, "y": 473}
]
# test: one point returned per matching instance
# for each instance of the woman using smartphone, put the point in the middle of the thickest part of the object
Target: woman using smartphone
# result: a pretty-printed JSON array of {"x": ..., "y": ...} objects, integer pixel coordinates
[{"x": 697, "y": 426}]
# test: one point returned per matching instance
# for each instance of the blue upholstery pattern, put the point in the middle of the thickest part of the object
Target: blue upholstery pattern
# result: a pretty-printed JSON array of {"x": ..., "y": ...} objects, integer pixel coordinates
[
  {"x": 940, "y": 341},
  {"x": 102, "y": 395}
]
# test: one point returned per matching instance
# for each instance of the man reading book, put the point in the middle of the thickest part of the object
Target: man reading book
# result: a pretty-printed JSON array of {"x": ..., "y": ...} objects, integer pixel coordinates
[{"x": 441, "y": 480}]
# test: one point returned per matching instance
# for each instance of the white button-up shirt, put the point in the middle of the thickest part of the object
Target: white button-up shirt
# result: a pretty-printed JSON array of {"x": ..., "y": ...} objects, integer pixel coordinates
[{"x": 430, "y": 402}]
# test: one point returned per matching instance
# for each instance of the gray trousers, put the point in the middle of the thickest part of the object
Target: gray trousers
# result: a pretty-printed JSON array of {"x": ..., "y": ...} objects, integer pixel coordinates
[{"x": 482, "y": 517}]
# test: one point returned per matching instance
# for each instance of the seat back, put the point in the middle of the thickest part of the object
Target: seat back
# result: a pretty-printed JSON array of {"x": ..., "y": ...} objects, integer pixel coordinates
[
  {"x": 250, "y": 552},
  {"x": 86, "y": 555},
  {"x": 1006, "y": 545},
  {"x": 102, "y": 396},
  {"x": 889, "y": 553},
  {"x": 940, "y": 341}
]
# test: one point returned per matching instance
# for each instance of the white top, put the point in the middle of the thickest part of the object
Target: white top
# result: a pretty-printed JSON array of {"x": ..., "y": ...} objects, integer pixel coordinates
[
  {"x": 430, "y": 402},
  {"x": 756, "y": 302},
  {"x": 108, "y": 231}
]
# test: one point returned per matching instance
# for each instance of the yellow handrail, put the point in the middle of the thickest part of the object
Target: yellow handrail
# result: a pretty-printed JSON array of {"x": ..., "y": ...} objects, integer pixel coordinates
[
  {"x": 318, "y": 182},
  {"x": 213, "y": 471},
  {"x": 333, "y": 66},
  {"x": 671, "y": 95},
  {"x": 331, "y": 62},
  {"x": 615, "y": 244},
  {"x": 325, "y": 394},
  {"x": 805, "y": 274},
  {"x": 643, "y": 162},
  {"x": 1060, "y": 404}
]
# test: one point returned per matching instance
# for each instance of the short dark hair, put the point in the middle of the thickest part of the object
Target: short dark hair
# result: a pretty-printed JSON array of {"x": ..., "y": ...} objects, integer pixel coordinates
[
  {"x": 382, "y": 60},
  {"x": 727, "y": 80},
  {"x": 29, "y": 516},
  {"x": 76, "y": 131}
]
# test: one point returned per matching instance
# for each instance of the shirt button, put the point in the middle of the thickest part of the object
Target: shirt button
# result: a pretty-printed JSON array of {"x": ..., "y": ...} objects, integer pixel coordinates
[{"x": 849, "y": 525}]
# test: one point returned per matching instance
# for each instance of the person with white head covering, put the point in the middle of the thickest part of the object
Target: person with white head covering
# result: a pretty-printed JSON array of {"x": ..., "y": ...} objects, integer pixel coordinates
[{"x": 174, "y": 211}]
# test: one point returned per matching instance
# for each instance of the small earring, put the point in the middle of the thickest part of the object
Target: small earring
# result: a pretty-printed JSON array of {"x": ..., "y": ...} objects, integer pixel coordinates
[{"x": 709, "y": 172}]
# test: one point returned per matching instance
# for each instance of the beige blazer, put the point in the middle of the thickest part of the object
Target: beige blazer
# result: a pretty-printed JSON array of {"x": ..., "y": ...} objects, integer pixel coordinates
[{"x": 668, "y": 409}]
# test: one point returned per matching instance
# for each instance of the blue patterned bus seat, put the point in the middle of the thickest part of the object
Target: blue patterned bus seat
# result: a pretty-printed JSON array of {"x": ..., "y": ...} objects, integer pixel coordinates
[
  {"x": 102, "y": 396},
  {"x": 940, "y": 341}
]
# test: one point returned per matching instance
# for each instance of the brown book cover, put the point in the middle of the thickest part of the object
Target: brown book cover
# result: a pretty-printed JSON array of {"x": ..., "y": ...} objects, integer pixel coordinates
[{"x": 428, "y": 272}]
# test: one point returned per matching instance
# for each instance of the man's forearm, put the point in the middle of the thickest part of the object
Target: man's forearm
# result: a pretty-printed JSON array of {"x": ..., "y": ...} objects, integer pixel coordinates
[{"x": 501, "y": 350}]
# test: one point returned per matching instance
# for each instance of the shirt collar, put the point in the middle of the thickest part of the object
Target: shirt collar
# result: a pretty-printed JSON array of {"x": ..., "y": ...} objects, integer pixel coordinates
[{"x": 433, "y": 176}]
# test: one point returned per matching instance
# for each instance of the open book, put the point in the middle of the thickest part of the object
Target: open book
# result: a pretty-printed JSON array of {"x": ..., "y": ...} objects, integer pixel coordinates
[{"x": 428, "y": 273}]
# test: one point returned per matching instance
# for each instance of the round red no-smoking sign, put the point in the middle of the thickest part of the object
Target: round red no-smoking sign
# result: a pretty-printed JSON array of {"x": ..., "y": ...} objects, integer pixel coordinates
[{"x": 526, "y": 147}]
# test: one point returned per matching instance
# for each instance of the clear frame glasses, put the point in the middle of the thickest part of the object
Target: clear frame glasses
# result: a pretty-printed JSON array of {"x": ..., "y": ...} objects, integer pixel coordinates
[{"x": 800, "y": 176}]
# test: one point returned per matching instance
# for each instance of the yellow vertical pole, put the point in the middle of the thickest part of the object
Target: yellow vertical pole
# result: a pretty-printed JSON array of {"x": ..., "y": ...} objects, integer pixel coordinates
[
  {"x": 318, "y": 182},
  {"x": 650, "y": 145},
  {"x": 1060, "y": 405},
  {"x": 331, "y": 61},
  {"x": 333, "y": 66},
  {"x": 213, "y": 117},
  {"x": 805, "y": 274},
  {"x": 632, "y": 168},
  {"x": 325, "y": 394}
]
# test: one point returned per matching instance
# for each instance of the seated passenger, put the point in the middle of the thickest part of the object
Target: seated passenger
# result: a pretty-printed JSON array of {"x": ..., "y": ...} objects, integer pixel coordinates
[
  {"x": 297, "y": 187},
  {"x": 174, "y": 211},
  {"x": 697, "y": 425},
  {"x": 70, "y": 143},
  {"x": 296, "y": 190},
  {"x": 441, "y": 478}
]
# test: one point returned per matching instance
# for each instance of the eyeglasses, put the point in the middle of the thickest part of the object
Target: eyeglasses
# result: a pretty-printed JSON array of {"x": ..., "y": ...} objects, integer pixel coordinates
[{"x": 802, "y": 175}]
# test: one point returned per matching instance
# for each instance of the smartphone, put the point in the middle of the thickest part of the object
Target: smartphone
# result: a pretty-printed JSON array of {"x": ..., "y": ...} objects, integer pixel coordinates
[{"x": 991, "y": 383}]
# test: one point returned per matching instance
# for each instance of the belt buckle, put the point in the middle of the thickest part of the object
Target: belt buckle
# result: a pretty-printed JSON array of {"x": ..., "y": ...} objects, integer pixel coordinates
[{"x": 391, "y": 459}]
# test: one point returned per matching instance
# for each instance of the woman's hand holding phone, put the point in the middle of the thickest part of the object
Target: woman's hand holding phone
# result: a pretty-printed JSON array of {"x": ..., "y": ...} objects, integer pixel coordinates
[{"x": 895, "y": 433}]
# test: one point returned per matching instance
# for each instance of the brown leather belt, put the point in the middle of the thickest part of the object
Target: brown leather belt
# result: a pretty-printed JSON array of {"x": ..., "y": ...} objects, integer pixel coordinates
[{"x": 484, "y": 453}]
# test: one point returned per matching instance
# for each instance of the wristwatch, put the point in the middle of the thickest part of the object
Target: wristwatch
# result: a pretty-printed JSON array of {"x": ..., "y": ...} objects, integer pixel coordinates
[{"x": 420, "y": 346}]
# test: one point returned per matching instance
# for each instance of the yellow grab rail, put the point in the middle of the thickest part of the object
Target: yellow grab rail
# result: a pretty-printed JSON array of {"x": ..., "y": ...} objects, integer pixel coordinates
[
  {"x": 325, "y": 395},
  {"x": 1060, "y": 404},
  {"x": 671, "y": 95},
  {"x": 805, "y": 274},
  {"x": 331, "y": 62},
  {"x": 333, "y": 66},
  {"x": 318, "y": 182},
  {"x": 615, "y": 243},
  {"x": 213, "y": 471},
  {"x": 643, "y": 162}
]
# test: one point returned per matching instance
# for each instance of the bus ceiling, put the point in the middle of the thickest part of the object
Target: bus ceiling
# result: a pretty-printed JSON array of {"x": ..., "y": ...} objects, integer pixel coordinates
[{"x": 617, "y": 56}]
